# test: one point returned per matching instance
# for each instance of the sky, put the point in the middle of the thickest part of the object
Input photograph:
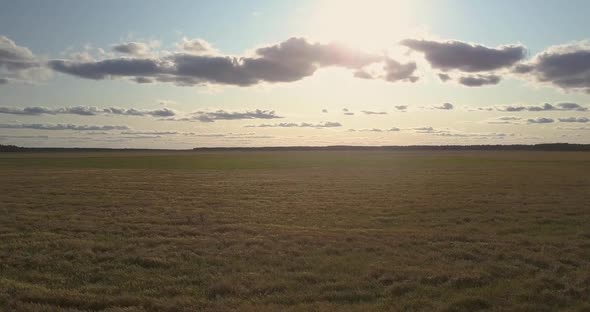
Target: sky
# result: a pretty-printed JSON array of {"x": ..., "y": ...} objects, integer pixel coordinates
[{"x": 184, "y": 74}]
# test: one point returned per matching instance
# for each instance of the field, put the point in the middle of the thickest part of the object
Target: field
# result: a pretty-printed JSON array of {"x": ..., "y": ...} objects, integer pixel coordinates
[{"x": 295, "y": 231}]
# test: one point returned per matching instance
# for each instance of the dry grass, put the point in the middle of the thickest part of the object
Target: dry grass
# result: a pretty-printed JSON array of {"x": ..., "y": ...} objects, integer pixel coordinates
[{"x": 295, "y": 231}]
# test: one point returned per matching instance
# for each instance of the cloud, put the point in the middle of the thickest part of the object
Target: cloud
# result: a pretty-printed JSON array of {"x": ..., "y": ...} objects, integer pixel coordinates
[
  {"x": 373, "y": 113},
  {"x": 14, "y": 57},
  {"x": 140, "y": 137},
  {"x": 492, "y": 135},
  {"x": 111, "y": 68},
  {"x": 545, "y": 107},
  {"x": 142, "y": 80},
  {"x": 87, "y": 111},
  {"x": 564, "y": 66},
  {"x": 425, "y": 130},
  {"x": 445, "y": 106},
  {"x": 298, "y": 125},
  {"x": 347, "y": 112},
  {"x": 466, "y": 57},
  {"x": 505, "y": 120},
  {"x": 150, "y": 132},
  {"x": 393, "y": 129},
  {"x": 541, "y": 120},
  {"x": 574, "y": 128},
  {"x": 24, "y": 137},
  {"x": 401, "y": 107},
  {"x": 396, "y": 71},
  {"x": 132, "y": 48},
  {"x": 444, "y": 77},
  {"x": 458, "y": 134},
  {"x": 370, "y": 130},
  {"x": 225, "y": 115},
  {"x": 363, "y": 74},
  {"x": 18, "y": 63},
  {"x": 479, "y": 80},
  {"x": 160, "y": 112},
  {"x": 575, "y": 119},
  {"x": 63, "y": 127},
  {"x": 195, "y": 46},
  {"x": 324, "y": 110},
  {"x": 287, "y": 61}
]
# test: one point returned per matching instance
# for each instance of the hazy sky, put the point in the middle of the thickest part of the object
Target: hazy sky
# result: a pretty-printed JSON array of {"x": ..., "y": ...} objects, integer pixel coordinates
[{"x": 182, "y": 74}]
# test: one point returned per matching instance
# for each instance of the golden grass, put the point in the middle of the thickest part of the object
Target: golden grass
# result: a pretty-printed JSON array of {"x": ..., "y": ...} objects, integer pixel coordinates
[{"x": 319, "y": 231}]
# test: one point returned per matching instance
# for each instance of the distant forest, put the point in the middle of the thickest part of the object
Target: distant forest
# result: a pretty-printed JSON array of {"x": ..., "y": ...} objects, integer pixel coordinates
[{"x": 516, "y": 147}]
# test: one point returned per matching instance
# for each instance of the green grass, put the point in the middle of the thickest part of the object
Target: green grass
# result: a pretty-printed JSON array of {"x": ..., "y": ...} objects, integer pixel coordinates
[{"x": 280, "y": 231}]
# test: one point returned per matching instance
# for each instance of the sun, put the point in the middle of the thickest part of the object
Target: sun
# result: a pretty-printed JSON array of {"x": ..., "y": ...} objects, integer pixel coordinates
[{"x": 372, "y": 24}]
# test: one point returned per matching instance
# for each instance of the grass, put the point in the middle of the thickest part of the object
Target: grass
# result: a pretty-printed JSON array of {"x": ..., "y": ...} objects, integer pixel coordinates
[{"x": 290, "y": 231}]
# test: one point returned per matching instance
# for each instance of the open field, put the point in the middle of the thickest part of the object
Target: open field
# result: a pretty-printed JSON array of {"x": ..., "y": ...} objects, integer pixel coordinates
[{"x": 291, "y": 231}]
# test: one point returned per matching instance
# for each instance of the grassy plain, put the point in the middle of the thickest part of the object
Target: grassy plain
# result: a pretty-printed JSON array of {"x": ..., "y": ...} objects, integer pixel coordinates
[{"x": 291, "y": 231}]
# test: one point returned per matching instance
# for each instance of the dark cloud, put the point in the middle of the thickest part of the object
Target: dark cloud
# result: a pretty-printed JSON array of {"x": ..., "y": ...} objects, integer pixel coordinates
[
  {"x": 444, "y": 77},
  {"x": 393, "y": 71},
  {"x": 371, "y": 130},
  {"x": 291, "y": 60},
  {"x": 545, "y": 107},
  {"x": 150, "y": 132},
  {"x": 445, "y": 106},
  {"x": 373, "y": 113},
  {"x": 401, "y": 107},
  {"x": 540, "y": 120},
  {"x": 63, "y": 127},
  {"x": 466, "y": 57},
  {"x": 363, "y": 74},
  {"x": 14, "y": 57},
  {"x": 299, "y": 125},
  {"x": 522, "y": 68},
  {"x": 142, "y": 80},
  {"x": 575, "y": 119},
  {"x": 505, "y": 120},
  {"x": 225, "y": 115},
  {"x": 160, "y": 112},
  {"x": 472, "y": 135},
  {"x": 394, "y": 129},
  {"x": 426, "y": 130},
  {"x": 396, "y": 71},
  {"x": 479, "y": 80},
  {"x": 87, "y": 111},
  {"x": 567, "y": 66},
  {"x": 140, "y": 137},
  {"x": 122, "y": 67},
  {"x": 571, "y": 106},
  {"x": 17, "y": 63},
  {"x": 133, "y": 48}
]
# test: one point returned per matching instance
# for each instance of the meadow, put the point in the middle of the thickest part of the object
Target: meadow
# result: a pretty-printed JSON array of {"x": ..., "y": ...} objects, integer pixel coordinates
[{"x": 295, "y": 231}]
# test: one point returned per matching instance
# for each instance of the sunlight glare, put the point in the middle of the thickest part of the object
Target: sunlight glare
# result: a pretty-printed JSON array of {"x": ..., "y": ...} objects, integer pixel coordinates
[{"x": 372, "y": 24}]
